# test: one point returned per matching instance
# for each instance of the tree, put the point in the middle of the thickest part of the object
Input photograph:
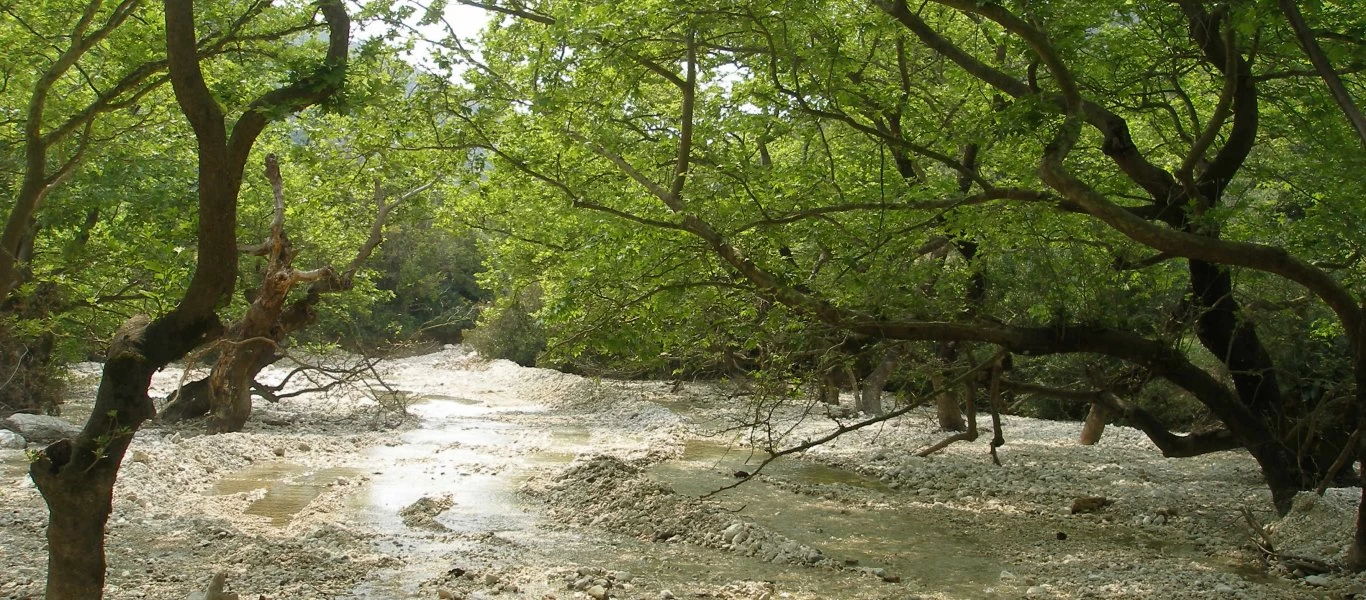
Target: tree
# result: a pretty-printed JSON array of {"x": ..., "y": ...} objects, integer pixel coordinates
[
  {"x": 76, "y": 477},
  {"x": 1140, "y": 177}
]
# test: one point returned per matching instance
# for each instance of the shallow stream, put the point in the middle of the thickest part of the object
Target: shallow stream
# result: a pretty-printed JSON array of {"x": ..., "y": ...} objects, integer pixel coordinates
[{"x": 478, "y": 453}]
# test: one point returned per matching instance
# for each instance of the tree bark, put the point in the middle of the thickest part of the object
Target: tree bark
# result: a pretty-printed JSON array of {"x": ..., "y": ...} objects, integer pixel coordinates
[
  {"x": 870, "y": 397},
  {"x": 253, "y": 342},
  {"x": 947, "y": 408},
  {"x": 76, "y": 477},
  {"x": 1094, "y": 427}
]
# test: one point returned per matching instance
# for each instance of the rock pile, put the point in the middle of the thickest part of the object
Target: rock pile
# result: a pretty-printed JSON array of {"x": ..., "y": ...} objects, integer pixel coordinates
[{"x": 422, "y": 513}]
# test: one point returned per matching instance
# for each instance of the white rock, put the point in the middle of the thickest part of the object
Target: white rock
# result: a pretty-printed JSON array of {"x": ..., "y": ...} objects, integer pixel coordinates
[
  {"x": 9, "y": 439},
  {"x": 41, "y": 428},
  {"x": 1317, "y": 580},
  {"x": 597, "y": 592}
]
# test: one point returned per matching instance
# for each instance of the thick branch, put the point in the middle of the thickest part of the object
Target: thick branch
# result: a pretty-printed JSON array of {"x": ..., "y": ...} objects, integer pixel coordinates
[
  {"x": 1259, "y": 257},
  {"x": 325, "y": 81}
]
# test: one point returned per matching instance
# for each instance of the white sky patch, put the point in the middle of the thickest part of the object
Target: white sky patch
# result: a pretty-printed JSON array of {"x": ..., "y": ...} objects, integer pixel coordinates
[{"x": 433, "y": 40}]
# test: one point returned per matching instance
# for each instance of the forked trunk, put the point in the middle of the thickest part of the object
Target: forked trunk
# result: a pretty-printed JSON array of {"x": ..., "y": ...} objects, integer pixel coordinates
[
  {"x": 76, "y": 476},
  {"x": 870, "y": 397}
]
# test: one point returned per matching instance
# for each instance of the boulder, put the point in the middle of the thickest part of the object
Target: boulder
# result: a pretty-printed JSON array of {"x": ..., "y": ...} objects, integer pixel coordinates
[
  {"x": 41, "y": 428},
  {"x": 11, "y": 440}
]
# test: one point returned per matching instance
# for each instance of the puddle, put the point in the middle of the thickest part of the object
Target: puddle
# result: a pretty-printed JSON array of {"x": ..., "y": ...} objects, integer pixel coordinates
[
  {"x": 916, "y": 545},
  {"x": 461, "y": 453},
  {"x": 289, "y": 487},
  {"x": 448, "y": 398}
]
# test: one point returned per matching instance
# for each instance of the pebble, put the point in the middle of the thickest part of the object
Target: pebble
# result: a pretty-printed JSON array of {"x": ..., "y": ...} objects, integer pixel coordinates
[
  {"x": 1317, "y": 580},
  {"x": 597, "y": 592}
]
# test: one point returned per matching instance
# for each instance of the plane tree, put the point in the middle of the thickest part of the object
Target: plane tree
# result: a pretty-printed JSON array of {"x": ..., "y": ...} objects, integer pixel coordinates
[
  {"x": 1161, "y": 187},
  {"x": 76, "y": 476}
]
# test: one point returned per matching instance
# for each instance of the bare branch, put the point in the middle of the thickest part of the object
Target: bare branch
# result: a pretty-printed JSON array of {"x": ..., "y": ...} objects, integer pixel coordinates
[{"x": 843, "y": 429}]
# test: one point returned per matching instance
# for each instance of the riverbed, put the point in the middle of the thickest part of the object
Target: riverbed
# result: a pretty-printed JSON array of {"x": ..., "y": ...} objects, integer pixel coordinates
[{"x": 468, "y": 478}]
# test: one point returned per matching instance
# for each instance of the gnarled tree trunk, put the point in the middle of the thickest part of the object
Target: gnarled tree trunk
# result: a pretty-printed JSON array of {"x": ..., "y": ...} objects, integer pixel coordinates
[
  {"x": 76, "y": 477},
  {"x": 253, "y": 342}
]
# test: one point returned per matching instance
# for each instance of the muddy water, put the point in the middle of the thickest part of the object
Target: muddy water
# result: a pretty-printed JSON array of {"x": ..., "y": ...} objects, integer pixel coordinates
[
  {"x": 288, "y": 487},
  {"x": 13, "y": 463},
  {"x": 461, "y": 450},
  {"x": 478, "y": 452},
  {"x": 921, "y": 547}
]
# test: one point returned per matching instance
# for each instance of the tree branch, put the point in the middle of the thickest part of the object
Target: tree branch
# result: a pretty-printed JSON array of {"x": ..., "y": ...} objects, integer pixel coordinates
[{"x": 1324, "y": 68}]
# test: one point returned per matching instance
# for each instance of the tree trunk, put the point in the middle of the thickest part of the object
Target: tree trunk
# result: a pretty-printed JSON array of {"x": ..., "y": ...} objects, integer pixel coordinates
[
  {"x": 79, "y": 505},
  {"x": 828, "y": 390},
  {"x": 870, "y": 399},
  {"x": 1356, "y": 552},
  {"x": 76, "y": 477},
  {"x": 231, "y": 379},
  {"x": 946, "y": 405},
  {"x": 189, "y": 401},
  {"x": 1096, "y": 420}
]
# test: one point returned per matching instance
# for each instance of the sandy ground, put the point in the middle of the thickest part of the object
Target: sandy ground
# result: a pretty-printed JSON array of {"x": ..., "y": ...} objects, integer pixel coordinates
[{"x": 507, "y": 482}]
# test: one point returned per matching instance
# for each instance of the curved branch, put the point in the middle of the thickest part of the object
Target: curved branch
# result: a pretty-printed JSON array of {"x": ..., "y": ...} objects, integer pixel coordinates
[
  {"x": 1118, "y": 144},
  {"x": 1269, "y": 259},
  {"x": 325, "y": 81}
]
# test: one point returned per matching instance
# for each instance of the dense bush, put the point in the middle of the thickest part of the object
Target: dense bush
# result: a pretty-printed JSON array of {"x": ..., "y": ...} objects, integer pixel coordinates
[{"x": 510, "y": 329}]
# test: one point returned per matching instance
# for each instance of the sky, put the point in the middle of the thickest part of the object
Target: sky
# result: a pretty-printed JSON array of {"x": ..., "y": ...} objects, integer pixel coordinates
[{"x": 466, "y": 21}]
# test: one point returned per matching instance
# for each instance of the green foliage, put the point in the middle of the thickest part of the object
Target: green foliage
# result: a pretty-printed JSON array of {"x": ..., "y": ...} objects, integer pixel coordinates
[{"x": 510, "y": 329}]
